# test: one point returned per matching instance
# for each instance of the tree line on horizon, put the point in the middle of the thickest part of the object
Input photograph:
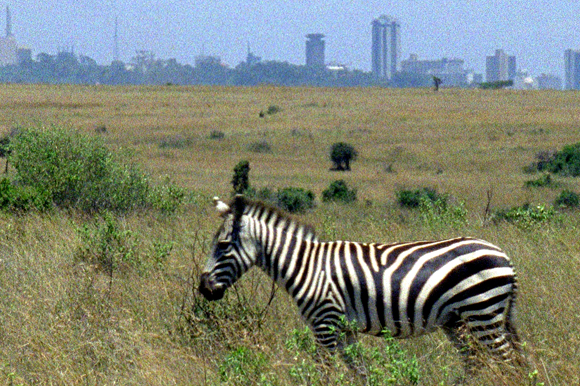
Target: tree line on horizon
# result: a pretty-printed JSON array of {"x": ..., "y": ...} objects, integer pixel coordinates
[{"x": 69, "y": 68}]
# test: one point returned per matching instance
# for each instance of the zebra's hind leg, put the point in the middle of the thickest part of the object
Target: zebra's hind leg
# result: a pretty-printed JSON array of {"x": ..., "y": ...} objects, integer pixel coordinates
[{"x": 458, "y": 335}]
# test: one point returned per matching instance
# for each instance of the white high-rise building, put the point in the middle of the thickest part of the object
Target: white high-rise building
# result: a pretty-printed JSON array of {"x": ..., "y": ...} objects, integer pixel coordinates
[{"x": 386, "y": 47}]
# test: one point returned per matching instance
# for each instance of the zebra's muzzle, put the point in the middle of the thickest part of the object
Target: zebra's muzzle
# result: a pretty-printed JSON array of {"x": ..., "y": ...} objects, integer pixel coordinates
[{"x": 208, "y": 290}]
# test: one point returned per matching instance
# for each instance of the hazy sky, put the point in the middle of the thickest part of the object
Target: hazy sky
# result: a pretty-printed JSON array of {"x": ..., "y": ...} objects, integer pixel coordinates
[{"x": 536, "y": 31}]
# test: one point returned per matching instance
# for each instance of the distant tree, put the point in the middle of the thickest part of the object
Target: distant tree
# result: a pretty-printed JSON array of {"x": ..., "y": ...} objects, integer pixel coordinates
[
  {"x": 436, "y": 82},
  {"x": 341, "y": 154},
  {"x": 241, "y": 179},
  {"x": 499, "y": 84}
]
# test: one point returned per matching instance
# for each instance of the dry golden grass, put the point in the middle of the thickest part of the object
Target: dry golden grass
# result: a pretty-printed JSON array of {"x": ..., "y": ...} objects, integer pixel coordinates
[{"x": 63, "y": 322}]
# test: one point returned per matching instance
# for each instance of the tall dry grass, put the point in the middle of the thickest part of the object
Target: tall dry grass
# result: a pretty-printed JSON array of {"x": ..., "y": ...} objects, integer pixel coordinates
[{"x": 66, "y": 321}]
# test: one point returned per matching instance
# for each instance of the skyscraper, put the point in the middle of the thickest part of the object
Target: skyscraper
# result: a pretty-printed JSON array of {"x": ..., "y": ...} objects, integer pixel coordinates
[
  {"x": 8, "y": 47},
  {"x": 572, "y": 69},
  {"x": 315, "y": 50},
  {"x": 500, "y": 67},
  {"x": 386, "y": 47}
]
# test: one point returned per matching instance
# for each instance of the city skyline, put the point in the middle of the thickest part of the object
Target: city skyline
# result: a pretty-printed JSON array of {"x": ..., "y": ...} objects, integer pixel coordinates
[{"x": 537, "y": 32}]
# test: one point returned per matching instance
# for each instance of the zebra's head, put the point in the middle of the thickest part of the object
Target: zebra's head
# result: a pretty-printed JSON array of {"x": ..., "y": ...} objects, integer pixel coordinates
[{"x": 233, "y": 251}]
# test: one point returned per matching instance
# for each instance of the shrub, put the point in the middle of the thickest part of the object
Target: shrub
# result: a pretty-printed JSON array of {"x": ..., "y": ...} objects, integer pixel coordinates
[
  {"x": 414, "y": 198},
  {"x": 565, "y": 162},
  {"x": 4, "y": 146},
  {"x": 260, "y": 147},
  {"x": 22, "y": 198},
  {"x": 273, "y": 109},
  {"x": 295, "y": 199},
  {"x": 74, "y": 170},
  {"x": 175, "y": 142},
  {"x": 544, "y": 181},
  {"x": 440, "y": 212},
  {"x": 567, "y": 199},
  {"x": 342, "y": 154},
  {"x": 339, "y": 192},
  {"x": 216, "y": 134},
  {"x": 107, "y": 246},
  {"x": 526, "y": 214},
  {"x": 241, "y": 179}
]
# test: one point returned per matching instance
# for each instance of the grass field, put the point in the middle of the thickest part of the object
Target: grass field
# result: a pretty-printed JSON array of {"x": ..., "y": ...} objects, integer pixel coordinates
[{"x": 66, "y": 322}]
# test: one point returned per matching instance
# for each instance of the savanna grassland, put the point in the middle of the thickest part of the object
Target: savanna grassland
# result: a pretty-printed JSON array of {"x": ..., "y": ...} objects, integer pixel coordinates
[{"x": 66, "y": 322}]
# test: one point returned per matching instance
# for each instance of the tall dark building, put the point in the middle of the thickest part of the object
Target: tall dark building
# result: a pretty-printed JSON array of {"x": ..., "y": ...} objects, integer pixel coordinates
[
  {"x": 572, "y": 69},
  {"x": 315, "y": 50},
  {"x": 500, "y": 67},
  {"x": 386, "y": 47}
]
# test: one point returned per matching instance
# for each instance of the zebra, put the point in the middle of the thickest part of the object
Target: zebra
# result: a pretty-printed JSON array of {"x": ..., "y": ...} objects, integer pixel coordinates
[{"x": 465, "y": 286}]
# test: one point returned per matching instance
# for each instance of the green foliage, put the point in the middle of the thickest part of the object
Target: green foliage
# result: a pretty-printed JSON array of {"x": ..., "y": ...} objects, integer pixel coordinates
[
  {"x": 441, "y": 212},
  {"x": 18, "y": 198},
  {"x": 565, "y": 162},
  {"x": 241, "y": 179},
  {"x": 260, "y": 147},
  {"x": 526, "y": 215},
  {"x": 175, "y": 142},
  {"x": 414, "y": 198},
  {"x": 166, "y": 198},
  {"x": 242, "y": 366},
  {"x": 273, "y": 109},
  {"x": 107, "y": 246},
  {"x": 544, "y": 181},
  {"x": 342, "y": 154},
  {"x": 4, "y": 146},
  {"x": 216, "y": 134},
  {"x": 497, "y": 85},
  {"x": 339, "y": 192},
  {"x": 567, "y": 199},
  {"x": 295, "y": 200},
  {"x": 74, "y": 170}
]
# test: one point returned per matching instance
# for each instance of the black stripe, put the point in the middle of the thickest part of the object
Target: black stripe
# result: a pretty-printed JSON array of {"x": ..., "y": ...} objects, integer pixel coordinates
[{"x": 460, "y": 273}]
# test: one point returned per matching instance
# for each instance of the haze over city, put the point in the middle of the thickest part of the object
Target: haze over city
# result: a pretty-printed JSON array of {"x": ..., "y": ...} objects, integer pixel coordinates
[{"x": 537, "y": 32}]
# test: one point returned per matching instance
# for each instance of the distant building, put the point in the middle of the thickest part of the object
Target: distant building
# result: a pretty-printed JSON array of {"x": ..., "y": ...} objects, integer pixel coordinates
[
  {"x": 315, "y": 50},
  {"x": 549, "y": 82},
  {"x": 386, "y": 47},
  {"x": 8, "y": 46},
  {"x": 572, "y": 69},
  {"x": 451, "y": 71},
  {"x": 252, "y": 59},
  {"x": 500, "y": 67},
  {"x": 523, "y": 81}
]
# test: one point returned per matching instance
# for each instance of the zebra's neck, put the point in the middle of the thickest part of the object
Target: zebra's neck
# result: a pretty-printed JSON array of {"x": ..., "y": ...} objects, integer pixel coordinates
[{"x": 287, "y": 247}]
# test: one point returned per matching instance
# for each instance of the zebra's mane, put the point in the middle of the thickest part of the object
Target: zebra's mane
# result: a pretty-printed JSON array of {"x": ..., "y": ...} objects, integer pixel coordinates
[{"x": 262, "y": 210}]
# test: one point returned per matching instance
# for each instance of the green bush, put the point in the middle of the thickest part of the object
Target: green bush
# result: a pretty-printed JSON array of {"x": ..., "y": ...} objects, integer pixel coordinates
[
  {"x": 544, "y": 181},
  {"x": 339, "y": 192},
  {"x": 567, "y": 199},
  {"x": 414, "y": 198},
  {"x": 260, "y": 147},
  {"x": 565, "y": 162},
  {"x": 74, "y": 170},
  {"x": 295, "y": 199},
  {"x": 22, "y": 198},
  {"x": 526, "y": 214}
]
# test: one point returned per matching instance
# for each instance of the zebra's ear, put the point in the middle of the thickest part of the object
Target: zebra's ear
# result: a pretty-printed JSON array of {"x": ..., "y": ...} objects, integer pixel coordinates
[{"x": 222, "y": 208}]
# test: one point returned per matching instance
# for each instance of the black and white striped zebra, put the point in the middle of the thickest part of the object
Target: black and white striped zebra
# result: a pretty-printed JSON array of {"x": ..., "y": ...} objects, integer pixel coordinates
[{"x": 459, "y": 285}]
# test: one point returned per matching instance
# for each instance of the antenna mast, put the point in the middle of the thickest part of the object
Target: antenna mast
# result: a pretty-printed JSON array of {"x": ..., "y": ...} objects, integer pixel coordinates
[{"x": 116, "y": 40}]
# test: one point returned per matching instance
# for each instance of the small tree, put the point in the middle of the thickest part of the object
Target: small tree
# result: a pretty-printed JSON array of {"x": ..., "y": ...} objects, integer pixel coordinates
[
  {"x": 341, "y": 154},
  {"x": 436, "y": 83},
  {"x": 339, "y": 192},
  {"x": 241, "y": 179}
]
